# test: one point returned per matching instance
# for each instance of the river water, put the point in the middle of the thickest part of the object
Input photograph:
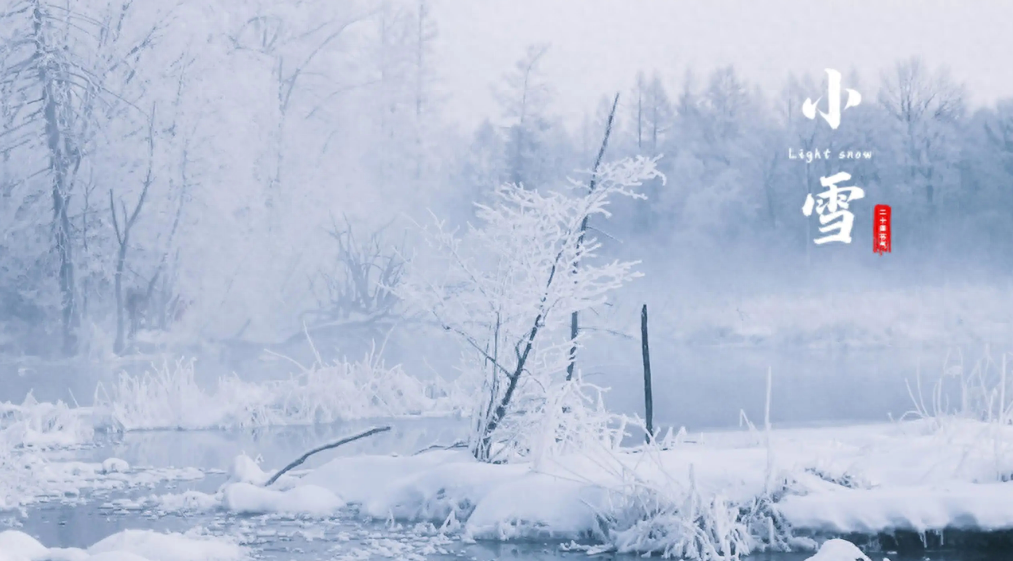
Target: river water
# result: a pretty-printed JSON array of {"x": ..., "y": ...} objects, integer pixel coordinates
[{"x": 696, "y": 387}]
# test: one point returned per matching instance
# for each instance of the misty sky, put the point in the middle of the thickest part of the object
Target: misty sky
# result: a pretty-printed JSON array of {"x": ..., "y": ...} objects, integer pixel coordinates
[{"x": 598, "y": 45}]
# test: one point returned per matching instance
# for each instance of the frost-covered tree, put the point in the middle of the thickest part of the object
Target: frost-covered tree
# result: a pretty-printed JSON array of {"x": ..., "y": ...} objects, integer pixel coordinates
[
  {"x": 507, "y": 288},
  {"x": 524, "y": 98},
  {"x": 925, "y": 107},
  {"x": 69, "y": 71}
]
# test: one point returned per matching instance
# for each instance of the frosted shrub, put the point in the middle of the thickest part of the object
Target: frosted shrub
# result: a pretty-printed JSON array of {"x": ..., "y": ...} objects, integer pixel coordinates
[
  {"x": 44, "y": 425},
  {"x": 663, "y": 516},
  {"x": 574, "y": 420},
  {"x": 507, "y": 288},
  {"x": 169, "y": 397},
  {"x": 675, "y": 522},
  {"x": 983, "y": 392}
]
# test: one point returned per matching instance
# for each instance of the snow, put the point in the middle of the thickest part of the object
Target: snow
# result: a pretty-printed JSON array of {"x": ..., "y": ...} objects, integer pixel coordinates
[
  {"x": 359, "y": 478},
  {"x": 717, "y": 487},
  {"x": 912, "y": 475},
  {"x": 187, "y": 501},
  {"x": 244, "y": 498},
  {"x": 157, "y": 546},
  {"x": 245, "y": 470},
  {"x": 18, "y": 546},
  {"x": 27, "y": 477},
  {"x": 129, "y": 545},
  {"x": 537, "y": 505},
  {"x": 839, "y": 550},
  {"x": 964, "y": 506},
  {"x": 42, "y": 425},
  {"x": 114, "y": 465}
]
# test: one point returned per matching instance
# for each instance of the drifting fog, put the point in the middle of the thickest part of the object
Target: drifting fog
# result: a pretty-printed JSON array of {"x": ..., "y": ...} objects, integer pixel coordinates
[{"x": 219, "y": 178}]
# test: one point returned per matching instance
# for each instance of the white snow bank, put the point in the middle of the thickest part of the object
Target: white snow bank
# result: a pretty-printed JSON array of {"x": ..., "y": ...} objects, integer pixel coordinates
[
  {"x": 964, "y": 506},
  {"x": 170, "y": 398},
  {"x": 244, "y": 498},
  {"x": 720, "y": 486},
  {"x": 839, "y": 550},
  {"x": 537, "y": 505},
  {"x": 358, "y": 479},
  {"x": 129, "y": 545},
  {"x": 156, "y": 546},
  {"x": 497, "y": 501}
]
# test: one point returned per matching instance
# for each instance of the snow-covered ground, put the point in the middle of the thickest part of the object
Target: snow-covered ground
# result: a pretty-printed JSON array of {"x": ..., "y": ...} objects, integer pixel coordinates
[
  {"x": 729, "y": 488},
  {"x": 129, "y": 545},
  {"x": 736, "y": 491},
  {"x": 712, "y": 495}
]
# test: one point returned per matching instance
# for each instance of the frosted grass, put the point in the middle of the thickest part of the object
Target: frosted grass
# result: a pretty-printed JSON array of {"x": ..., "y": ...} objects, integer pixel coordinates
[{"x": 169, "y": 397}]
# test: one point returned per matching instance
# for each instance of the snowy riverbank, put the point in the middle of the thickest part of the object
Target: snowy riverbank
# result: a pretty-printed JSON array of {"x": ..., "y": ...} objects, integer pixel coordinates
[
  {"x": 708, "y": 496},
  {"x": 713, "y": 496}
]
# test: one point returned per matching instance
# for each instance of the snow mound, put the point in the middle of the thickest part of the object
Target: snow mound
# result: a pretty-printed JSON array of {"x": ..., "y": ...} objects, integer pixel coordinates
[
  {"x": 129, "y": 545},
  {"x": 18, "y": 546},
  {"x": 244, "y": 469},
  {"x": 537, "y": 506},
  {"x": 244, "y": 498},
  {"x": 839, "y": 550},
  {"x": 115, "y": 465},
  {"x": 156, "y": 546},
  {"x": 496, "y": 501}
]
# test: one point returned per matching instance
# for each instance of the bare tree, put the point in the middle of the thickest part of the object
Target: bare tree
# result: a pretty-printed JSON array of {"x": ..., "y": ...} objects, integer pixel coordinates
[
  {"x": 128, "y": 220},
  {"x": 359, "y": 289},
  {"x": 60, "y": 68},
  {"x": 524, "y": 101},
  {"x": 925, "y": 105}
]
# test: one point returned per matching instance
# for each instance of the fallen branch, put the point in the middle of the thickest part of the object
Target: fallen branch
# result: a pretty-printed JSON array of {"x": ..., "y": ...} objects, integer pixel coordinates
[
  {"x": 335, "y": 444},
  {"x": 454, "y": 446}
]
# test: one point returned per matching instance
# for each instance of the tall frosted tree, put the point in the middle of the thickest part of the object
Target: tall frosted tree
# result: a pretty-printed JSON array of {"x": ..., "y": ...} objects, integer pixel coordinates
[
  {"x": 524, "y": 98},
  {"x": 66, "y": 71}
]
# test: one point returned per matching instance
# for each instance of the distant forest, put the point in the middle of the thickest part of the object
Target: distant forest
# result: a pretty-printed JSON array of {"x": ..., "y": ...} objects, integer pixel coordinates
[{"x": 222, "y": 169}]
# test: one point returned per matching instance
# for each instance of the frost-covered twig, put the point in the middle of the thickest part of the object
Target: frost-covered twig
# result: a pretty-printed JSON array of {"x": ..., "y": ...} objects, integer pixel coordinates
[{"x": 298, "y": 461}]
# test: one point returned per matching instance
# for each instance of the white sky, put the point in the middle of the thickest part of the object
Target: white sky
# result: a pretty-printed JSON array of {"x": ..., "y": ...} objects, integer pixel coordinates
[{"x": 597, "y": 46}]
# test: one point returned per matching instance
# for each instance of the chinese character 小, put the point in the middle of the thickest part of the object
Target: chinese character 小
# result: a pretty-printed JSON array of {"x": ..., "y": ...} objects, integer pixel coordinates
[{"x": 833, "y": 114}]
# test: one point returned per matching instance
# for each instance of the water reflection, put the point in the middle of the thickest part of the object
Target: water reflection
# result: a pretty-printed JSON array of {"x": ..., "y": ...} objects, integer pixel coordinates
[{"x": 277, "y": 446}]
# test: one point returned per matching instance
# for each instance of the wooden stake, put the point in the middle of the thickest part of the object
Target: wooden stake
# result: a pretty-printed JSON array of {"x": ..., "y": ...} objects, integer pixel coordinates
[{"x": 648, "y": 399}]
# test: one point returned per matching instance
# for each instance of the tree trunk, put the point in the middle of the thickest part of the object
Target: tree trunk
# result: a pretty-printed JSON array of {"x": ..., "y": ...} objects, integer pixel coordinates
[
  {"x": 60, "y": 155},
  {"x": 574, "y": 323},
  {"x": 121, "y": 257}
]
